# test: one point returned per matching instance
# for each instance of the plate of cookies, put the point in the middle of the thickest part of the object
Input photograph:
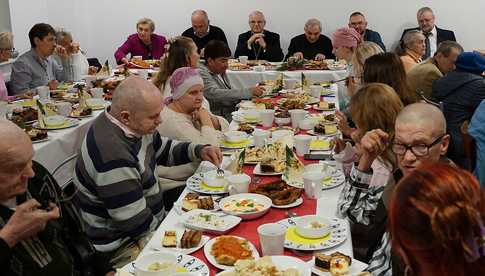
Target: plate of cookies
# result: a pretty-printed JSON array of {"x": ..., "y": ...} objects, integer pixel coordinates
[{"x": 192, "y": 201}]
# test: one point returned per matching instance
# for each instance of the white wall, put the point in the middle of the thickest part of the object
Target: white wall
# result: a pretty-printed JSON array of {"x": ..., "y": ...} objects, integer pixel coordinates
[
  {"x": 4, "y": 16},
  {"x": 102, "y": 25}
]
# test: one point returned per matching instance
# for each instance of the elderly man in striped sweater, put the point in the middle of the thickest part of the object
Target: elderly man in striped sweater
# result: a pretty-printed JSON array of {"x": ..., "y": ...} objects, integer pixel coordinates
[{"x": 119, "y": 195}]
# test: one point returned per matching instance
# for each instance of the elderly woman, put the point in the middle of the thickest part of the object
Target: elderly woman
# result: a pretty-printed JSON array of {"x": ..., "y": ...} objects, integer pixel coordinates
[
  {"x": 71, "y": 57},
  {"x": 144, "y": 43},
  {"x": 411, "y": 48},
  {"x": 184, "y": 118},
  {"x": 6, "y": 46},
  {"x": 345, "y": 41}
]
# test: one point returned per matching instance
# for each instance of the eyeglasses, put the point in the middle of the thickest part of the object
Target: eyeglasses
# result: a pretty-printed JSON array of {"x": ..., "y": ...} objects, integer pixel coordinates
[
  {"x": 418, "y": 150},
  {"x": 256, "y": 22},
  {"x": 11, "y": 50}
]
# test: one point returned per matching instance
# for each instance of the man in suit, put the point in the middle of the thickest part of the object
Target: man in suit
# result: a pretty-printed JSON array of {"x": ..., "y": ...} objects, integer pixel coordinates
[
  {"x": 201, "y": 32},
  {"x": 434, "y": 35},
  {"x": 259, "y": 43},
  {"x": 358, "y": 22}
]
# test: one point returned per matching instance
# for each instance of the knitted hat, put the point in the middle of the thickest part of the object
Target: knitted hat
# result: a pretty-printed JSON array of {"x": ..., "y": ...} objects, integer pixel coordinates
[
  {"x": 471, "y": 62},
  {"x": 346, "y": 37},
  {"x": 182, "y": 79}
]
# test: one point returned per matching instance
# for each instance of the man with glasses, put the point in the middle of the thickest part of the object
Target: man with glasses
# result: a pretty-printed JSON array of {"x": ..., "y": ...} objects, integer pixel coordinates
[
  {"x": 358, "y": 22},
  {"x": 311, "y": 45},
  {"x": 258, "y": 43},
  {"x": 420, "y": 136},
  {"x": 38, "y": 233}
]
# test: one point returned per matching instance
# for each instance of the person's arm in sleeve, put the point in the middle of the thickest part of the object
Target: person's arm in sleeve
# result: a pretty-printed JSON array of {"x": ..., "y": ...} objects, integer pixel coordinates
[
  {"x": 61, "y": 69},
  {"x": 357, "y": 200},
  {"x": 273, "y": 49},
  {"x": 21, "y": 77},
  {"x": 5, "y": 254},
  {"x": 213, "y": 92},
  {"x": 172, "y": 152},
  {"x": 242, "y": 47},
  {"x": 123, "y": 50}
]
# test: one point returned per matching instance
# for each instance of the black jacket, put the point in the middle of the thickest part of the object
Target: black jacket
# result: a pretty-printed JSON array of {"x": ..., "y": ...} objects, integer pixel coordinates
[
  {"x": 441, "y": 35},
  {"x": 301, "y": 44},
  {"x": 272, "y": 52},
  {"x": 461, "y": 93},
  {"x": 215, "y": 33}
]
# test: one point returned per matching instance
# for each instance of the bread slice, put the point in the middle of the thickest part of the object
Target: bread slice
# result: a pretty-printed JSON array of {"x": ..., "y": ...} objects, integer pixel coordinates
[
  {"x": 190, "y": 204},
  {"x": 170, "y": 239},
  {"x": 190, "y": 239}
]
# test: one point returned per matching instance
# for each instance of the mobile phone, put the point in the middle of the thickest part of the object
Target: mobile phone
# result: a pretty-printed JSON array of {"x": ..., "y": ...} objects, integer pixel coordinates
[{"x": 318, "y": 156}]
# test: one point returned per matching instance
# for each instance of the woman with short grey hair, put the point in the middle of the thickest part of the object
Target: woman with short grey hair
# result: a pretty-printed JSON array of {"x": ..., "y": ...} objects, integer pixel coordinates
[
  {"x": 411, "y": 49},
  {"x": 6, "y": 46}
]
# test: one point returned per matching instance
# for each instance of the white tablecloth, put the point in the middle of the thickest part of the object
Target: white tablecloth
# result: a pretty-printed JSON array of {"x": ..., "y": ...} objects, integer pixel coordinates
[
  {"x": 62, "y": 144},
  {"x": 242, "y": 79}
]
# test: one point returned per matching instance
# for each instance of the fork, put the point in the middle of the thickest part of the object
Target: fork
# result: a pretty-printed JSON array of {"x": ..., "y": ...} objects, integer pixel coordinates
[{"x": 220, "y": 173}]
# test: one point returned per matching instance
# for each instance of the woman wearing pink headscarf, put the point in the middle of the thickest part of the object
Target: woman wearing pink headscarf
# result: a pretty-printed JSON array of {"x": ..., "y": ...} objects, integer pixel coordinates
[
  {"x": 184, "y": 118},
  {"x": 345, "y": 41}
]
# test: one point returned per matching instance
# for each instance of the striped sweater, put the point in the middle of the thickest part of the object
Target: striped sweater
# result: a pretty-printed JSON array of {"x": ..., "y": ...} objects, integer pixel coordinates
[{"x": 119, "y": 195}]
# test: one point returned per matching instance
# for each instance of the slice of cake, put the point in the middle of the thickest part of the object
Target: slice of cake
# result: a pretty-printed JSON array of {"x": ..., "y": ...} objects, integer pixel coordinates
[
  {"x": 206, "y": 203},
  {"x": 340, "y": 264},
  {"x": 330, "y": 129},
  {"x": 170, "y": 239},
  {"x": 322, "y": 262}
]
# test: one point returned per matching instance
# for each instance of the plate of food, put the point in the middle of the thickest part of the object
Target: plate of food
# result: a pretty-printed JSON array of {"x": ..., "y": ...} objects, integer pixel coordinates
[
  {"x": 334, "y": 177},
  {"x": 210, "y": 222},
  {"x": 246, "y": 205},
  {"x": 256, "y": 155},
  {"x": 182, "y": 241},
  {"x": 56, "y": 124},
  {"x": 177, "y": 263},
  {"x": 337, "y": 263},
  {"x": 282, "y": 195},
  {"x": 324, "y": 106},
  {"x": 193, "y": 201},
  {"x": 197, "y": 184},
  {"x": 270, "y": 168},
  {"x": 269, "y": 265},
  {"x": 337, "y": 235},
  {"x": 326, "y": 119},
  {"x": 323, "y": 129},
  {"x": 224, "y": 251},
  {"x": 249, "y": 129},
  {"x": 320, "y": 144},
  {"x": 81, "y": 112},
  {"x": 37, "y": 135},
  {"x": 23, "y": 115}
]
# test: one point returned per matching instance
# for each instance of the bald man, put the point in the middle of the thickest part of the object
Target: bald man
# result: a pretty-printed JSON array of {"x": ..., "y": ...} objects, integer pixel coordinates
[
  {"x": 259, "y": 43},
  {"x": 420, "y": 136},
  {"x": 119, "y": 195},
  {"x": 31, "y": 242},
  {"x": 202, "y": 32}
]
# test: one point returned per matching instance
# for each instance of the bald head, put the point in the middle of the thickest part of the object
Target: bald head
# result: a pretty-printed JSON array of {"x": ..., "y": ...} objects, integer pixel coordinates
[
  {"x": 425, "y": 115},
  {"x": 200, "y": 14},
  {"x": 200, "y": 22},
  {"x": 11, "y": 139},
  {"x": 133, "y": 95}
]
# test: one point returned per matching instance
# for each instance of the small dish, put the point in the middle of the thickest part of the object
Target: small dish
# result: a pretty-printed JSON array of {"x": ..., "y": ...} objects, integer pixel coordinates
[
  {"x": 235, "y": 136},
  {"x": 312, "y": 227}
]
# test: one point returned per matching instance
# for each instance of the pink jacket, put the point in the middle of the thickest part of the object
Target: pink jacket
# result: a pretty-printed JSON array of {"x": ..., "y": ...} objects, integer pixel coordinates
[{"x": 134, "y": 46}]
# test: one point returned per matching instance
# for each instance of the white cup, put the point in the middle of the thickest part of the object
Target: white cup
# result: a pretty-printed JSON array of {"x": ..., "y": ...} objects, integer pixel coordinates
[
  {"x": 97, "y": 92},
  {"x": 290, "y": 83},
  {"x": 43, "y": 92},
  {"x": 238, "y": 184},
  {"x": 312, "y": 183},
  {"x": 63, "y": 108},
  {"x": 243, "y": 59},
  {"x": 261, "y": 137},
  {"x": 143, "y": 74},
  {"x": 302, "y": 144},
  {"x": 272, "y": 239},
  {"x": 296, "y": 116},
  {"x": 316, "y": 91},
  {"x": 267, "y": 117}
]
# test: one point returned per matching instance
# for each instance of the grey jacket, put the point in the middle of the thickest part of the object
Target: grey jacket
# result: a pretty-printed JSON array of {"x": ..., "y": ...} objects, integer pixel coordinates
[{"x": 217, "y": 90}]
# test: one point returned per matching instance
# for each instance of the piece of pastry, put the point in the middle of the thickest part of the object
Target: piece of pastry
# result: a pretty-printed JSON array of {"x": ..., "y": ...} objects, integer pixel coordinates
[
  {"x": 170, "y": 239},
  {"x": 190, "y": 204},
  {"x": 323, "y": 105},
  {"x": 329, "y": 117},
  {"x": 206, "y": 203},
  {"x": 322, "y": 262},
  {"x": 191, "y": 239},
  {"x": 339, "y": 265},
  {"x": 191, "y": 196}
]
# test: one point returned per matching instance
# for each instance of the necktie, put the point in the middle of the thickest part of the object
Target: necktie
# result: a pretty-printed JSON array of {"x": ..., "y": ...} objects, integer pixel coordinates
[{"x": 427, "y": 52}]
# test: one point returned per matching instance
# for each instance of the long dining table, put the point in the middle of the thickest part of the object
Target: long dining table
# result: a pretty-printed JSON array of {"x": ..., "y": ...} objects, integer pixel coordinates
[{"x": 325, "y": 206}]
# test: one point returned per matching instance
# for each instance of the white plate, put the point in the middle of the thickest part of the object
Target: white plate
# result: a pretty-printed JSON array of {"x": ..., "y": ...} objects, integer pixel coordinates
[
  {"x": 41, "y": 140},
  {"x": 338, "y": 178},
  {"x": 338, "y": 235},
  {"x": 179, "y": 249},
  {"x": 312, "y": 132},
  {"x": 316, "y": 107},
  {"x": 312, "y": 100},
  {"x": 212, "y": 260},
  {"x": 194, "y": 183},
  {"x": 283, "y": 263},
  {"x": 297, "y": 202},
  {"x": 187, "y": 262},
  {"x": 355, "y": 268},
  {"x": 261, "y": 199},
  {"x": 257, "y": 171},
  {"x": 178, "y": 205},
  {"x": 69, "y": 123},
  {"x": 245, "y": 144},
  {"x": 228, "y": 222}
]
